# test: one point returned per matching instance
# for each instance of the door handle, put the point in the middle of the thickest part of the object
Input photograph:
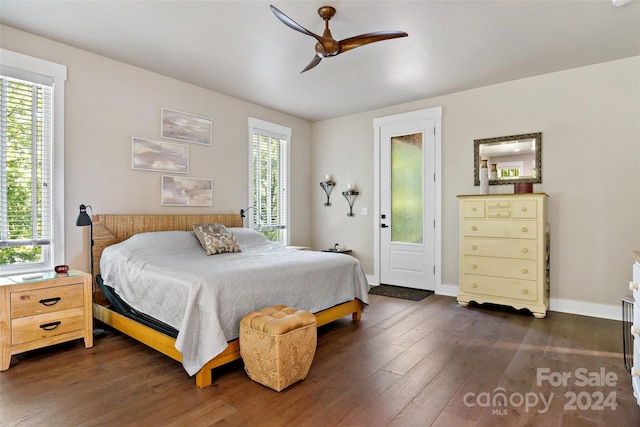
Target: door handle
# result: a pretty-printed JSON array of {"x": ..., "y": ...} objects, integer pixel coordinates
[{"x": 384, "y": 226}]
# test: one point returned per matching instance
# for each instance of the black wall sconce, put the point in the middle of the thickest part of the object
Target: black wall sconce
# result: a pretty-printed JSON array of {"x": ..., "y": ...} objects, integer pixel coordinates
[
  {"x": 351, "y": 195},
  {"x": 82, "y": 221},
  {"x": 327, "y": 185},
  {"x": 243, "y": 214}
]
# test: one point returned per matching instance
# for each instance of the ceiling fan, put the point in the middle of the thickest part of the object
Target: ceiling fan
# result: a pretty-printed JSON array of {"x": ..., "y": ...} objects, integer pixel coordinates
[{"x": 328, "y": 46}]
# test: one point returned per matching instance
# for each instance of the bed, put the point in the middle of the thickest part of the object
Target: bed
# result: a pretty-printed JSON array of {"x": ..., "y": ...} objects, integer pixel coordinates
[{"x": 204, "y": 348}]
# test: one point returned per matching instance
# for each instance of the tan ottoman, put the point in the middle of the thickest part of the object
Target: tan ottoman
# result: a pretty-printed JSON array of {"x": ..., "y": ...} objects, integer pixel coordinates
[{"x": 277, "y": 345}]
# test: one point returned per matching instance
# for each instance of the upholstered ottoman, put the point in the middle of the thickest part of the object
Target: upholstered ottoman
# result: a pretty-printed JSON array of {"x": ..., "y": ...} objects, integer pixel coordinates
[{"x": 277, "y": 345}]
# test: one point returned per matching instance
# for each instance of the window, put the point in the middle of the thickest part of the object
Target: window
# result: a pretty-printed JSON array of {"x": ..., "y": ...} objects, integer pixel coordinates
[
  {"x": 30, "y": 237},
  {"x": 268, "y": 178}
]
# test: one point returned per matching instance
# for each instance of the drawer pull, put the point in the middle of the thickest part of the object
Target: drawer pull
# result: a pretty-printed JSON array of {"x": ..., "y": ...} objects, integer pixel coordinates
[
  {"x": 474, "y": 267},
  {"x": 50, "y": 326},
  {"x": 525, "y": 229},
  {"x": 525, "y": 250},
  {"x": 474, "y": 285},
  {"x": 50, "y": 301},
  {"x": 473, "y": 209},
  {"x": 524, "y": 209},
  {"x": 525, "y": 271},
  {"x": 633, "y": 286},
  {"x": 474, "y": 247},
  {"x": 474, "y": 228},
  {"x": 525, "y": 291}
]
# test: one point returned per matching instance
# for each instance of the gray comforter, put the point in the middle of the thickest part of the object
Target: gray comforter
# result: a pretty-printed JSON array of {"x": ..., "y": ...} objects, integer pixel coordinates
[{"x": 169, "y": 276}]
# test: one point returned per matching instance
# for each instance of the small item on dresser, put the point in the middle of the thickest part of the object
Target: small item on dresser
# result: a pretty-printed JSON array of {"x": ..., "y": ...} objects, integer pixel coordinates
[
  {"x": 484, "y": 178},
  {"x": 61, "y": 268},
  {"x": 523, "y": 187}
]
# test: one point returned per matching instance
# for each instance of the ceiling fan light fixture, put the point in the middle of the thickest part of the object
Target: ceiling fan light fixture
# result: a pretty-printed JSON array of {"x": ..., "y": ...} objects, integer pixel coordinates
[
  {"x": 326, "y": 45},
  {"x": 618, "y": 3}
]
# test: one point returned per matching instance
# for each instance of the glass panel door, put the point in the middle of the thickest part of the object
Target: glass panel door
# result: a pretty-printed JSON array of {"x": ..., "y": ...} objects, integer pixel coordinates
[{"x": 406, "y": 188}]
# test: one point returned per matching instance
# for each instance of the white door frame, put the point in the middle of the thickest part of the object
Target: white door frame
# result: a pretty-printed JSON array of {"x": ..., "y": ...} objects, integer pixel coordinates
[{"x": 434, "y": 113}]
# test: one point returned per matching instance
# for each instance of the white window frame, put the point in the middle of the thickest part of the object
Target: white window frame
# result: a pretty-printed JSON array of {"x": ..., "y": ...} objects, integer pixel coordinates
[
  {"x": 283, "y": 133},
  {"x": 16, "y": 64}
]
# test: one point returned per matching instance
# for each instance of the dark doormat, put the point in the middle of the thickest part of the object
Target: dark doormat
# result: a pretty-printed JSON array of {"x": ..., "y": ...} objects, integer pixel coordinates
[{"x": 400, "y": 292}]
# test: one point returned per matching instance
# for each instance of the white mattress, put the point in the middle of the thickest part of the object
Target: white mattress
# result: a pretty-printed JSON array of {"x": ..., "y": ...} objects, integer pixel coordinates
[{"x": 168, "y": 276}]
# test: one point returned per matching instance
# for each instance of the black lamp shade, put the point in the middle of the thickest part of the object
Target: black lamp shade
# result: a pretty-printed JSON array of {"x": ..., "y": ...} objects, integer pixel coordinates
[{"x": 83, "y": 218}]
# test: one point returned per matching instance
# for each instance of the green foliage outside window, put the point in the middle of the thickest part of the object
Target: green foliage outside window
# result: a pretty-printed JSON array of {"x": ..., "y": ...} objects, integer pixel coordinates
[{"x": 17, "y": 149}]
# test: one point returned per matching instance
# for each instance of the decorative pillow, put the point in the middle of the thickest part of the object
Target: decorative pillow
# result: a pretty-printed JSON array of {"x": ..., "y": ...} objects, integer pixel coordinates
[{"x": 216, "y": 239}]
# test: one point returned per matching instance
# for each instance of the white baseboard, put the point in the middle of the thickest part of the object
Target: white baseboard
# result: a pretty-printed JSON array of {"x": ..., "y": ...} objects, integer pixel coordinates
[
  {"x": 448, "y": 290},
  {"x": 604, "y": 311}
]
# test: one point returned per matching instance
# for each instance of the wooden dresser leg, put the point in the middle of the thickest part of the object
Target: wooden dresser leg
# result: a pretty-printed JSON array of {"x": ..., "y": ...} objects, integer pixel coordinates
[
  {"x": 356, "y": 316},
  {"x": 204, "y": 377}
]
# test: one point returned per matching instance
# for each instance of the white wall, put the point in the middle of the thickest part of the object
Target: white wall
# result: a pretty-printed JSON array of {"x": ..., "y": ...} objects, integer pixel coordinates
[
  {"x": 590, "y": 123},
  {"x": 108, "y": 102}
]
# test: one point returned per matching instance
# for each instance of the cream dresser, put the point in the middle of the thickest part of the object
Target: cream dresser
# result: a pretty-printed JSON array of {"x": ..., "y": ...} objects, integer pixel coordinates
[
  {"x": 635, "y": 327},
  {"x": 504, "y": 251}
]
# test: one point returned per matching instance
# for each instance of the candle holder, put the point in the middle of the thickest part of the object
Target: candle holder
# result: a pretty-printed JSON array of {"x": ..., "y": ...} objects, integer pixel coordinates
[
  {"x": 351, "y": 196},
  {"x": 327, "y": 186}
]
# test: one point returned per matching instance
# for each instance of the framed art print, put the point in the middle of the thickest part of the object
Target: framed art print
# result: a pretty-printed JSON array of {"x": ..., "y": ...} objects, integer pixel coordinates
[
  {"x": 186, "y": 127},
  {"x": 186, "y": 191},
  {"x": 160, "y": 156}
]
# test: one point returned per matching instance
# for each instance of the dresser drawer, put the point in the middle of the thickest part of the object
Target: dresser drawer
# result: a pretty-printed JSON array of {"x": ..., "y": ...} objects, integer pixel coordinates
[
  {"x": 473, "y": 208},
  {"x": 46, "y": 300},
  {"x": 525, "y": 209},
  {"x": 503, "y": 248},
  {"x": 488, "y": 228},
  {"x": 500, "y": 267},
  {"x": 41, "y": 326},
  {"x": 498, "y": 204},
  {"x": 499, "y": 287}
]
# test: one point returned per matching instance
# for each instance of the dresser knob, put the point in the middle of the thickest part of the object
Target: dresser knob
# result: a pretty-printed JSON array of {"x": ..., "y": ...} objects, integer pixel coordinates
[
  {"x": 525, "y": 291},
  {"x": 474, "y": 267},
  {"x": 633, "y": 286},
  {"x": 635, "y": 372},
  {"x": 474, "y": 285},
  {"x": 474, "y": 247},
  {"x": 474, "y": 228},
  {"x": 473, "y": 209},
  {"x": 524, "y": 209},
  {"x": 525, "y": 271},
  {"x": 525, "y": 229},
  {"x": 525, "y": 250}
]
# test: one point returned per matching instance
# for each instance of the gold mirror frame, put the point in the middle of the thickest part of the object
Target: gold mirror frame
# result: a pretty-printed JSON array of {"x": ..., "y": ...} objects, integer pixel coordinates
[{"x": 478, "y": 143}]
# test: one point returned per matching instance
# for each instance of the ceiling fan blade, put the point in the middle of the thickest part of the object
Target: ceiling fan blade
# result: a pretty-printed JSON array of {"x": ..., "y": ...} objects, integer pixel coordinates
[
  {"x": 363, "y": 39},
  {"x": 293, "y": 24},
  {"x": 315, "y": 61}
]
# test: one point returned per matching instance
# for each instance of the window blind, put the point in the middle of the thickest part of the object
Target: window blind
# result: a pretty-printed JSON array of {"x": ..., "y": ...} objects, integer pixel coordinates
[
  {"x": 25, "y": 170},
  {"x": 269, "y": 174}
]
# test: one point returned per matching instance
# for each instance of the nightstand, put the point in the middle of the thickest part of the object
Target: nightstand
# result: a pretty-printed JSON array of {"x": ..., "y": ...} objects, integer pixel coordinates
[{"x": 41, "y": 310}]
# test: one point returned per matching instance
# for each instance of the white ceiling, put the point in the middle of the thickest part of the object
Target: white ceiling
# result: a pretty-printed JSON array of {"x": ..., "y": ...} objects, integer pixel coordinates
[{"x": 239, "y": 48}]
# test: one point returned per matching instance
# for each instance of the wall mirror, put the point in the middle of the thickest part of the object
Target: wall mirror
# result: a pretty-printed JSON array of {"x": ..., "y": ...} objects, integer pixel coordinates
[{"x": 510, "y": 159}]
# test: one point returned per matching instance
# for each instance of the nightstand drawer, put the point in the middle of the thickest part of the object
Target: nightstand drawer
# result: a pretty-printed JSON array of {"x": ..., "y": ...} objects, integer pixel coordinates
[
  {"x": 42, "y": 326},
  {"x": 46, "y": 300}
]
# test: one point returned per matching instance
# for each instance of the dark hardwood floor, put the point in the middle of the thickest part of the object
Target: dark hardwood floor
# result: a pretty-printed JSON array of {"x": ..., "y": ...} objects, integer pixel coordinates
[{"x": 405, "y": 364}]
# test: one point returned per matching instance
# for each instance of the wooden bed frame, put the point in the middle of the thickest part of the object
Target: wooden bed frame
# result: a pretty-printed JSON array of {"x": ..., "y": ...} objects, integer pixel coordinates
[{"x": 113, "y": 228}]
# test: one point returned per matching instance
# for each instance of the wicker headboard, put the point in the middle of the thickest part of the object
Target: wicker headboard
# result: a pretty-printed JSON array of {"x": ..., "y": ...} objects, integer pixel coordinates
[{"x": 114, "y": 228}]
